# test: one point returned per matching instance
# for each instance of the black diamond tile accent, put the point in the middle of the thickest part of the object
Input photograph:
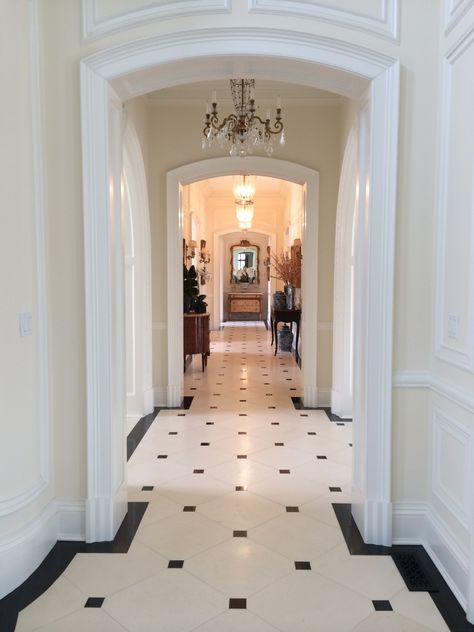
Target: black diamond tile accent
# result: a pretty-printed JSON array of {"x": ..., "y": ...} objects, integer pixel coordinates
[
  {"x": 175, "y": 564},
  {"x": 266, "y": 383},
  {"x": 269, "y": 394},
  {"x": 237, "y": 604},
  {"x": 181, "y": 414},
  {"x": 312, "y": 433},
  {"x": 275, "y": 423},
  {"x": 350, "y": 445},
  {"x": 240, "y": 534},
  {"x": 162, "y": 456},
  {"x": 241, "y": 456},
  {"x": 321, "y": 456},
  {"x": 335, "y": 489},
  {"x": 382, "y": 604},
  {"x": 241, "y": 488},
  {"x": 279, "y": 444},
  {"x": 302, "y": 566},
  {"x": 292, "y": 509},
  {"x": 198, "y": 471},
  {"x": 193, "y": 388},
  {"x": 242, "y": 414},
  {"x": 303, "y": 414},
  {"x": 172, "y": 432},
  {"x": 242, "y": 432},
  {"x": 211, "y": 407},
  {"x": 272, "y": 407},
  {"x": 284, "y": 471},
  {"x": 209, "y": 423},
  {"x": 243, "y": 388},
  {"x": 94, "y": 602},
  {"x": 242, "y": 400},
  {"x": 189, "y": 508},
  {"x": 205, "y": 443},
  {"x": 147, "y": 488}
]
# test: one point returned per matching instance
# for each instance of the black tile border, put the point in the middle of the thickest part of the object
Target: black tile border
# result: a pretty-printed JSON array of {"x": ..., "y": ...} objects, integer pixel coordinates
[
  {"x": 442, "y": 596},
  {"x": 298, "y": 404},
  {"x": 59, "y": 558},
  {"x": 143, "y": 425}
]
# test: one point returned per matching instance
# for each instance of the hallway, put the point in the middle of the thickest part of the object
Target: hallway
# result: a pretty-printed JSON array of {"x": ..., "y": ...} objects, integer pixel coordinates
[{"x": 239, "y": 533}]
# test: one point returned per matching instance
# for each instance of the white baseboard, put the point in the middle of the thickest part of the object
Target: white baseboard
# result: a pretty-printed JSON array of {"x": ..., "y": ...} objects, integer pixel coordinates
[
  {"x": 324, "y": 397},
  {"x": 160, "y": 396},
  {"x": 149, "y": 400},
  {"x": 23, "y": 552},
  {"x": 417, "y": 523}
]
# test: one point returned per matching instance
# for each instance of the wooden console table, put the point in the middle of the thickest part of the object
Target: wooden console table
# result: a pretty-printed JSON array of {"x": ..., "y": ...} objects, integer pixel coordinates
[
  {"x": 248, "y": 303},
  {"x": 196, "y": 336},
  {"x": 285, "y": 316}
]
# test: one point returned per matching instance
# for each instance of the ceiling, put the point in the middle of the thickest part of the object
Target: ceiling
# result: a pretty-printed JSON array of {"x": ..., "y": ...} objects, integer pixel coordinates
[
  {"x": 223, "y": 187},
  {"x": 266, "y": 92}
]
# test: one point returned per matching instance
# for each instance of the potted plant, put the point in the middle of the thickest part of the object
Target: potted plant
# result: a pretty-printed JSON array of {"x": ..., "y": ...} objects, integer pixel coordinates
[{"x": 190, "y": 289}]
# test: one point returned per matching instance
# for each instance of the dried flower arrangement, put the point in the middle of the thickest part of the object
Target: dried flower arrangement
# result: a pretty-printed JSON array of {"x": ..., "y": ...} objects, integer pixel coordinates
[{"x": 286, "y": 268}]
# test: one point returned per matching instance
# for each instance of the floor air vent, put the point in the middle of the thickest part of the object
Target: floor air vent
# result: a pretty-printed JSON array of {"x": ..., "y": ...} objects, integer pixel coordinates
[{"x": 413, "y": 572}]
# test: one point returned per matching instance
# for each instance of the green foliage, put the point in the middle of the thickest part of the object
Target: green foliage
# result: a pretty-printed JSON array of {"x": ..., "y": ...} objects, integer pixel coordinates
[{"x": 190, "y": 288}]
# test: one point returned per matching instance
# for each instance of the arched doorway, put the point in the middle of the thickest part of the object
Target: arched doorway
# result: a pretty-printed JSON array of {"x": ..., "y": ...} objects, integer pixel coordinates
[
  {"x": 144, "y": 65},
  {"x": 214, "y": 167}
]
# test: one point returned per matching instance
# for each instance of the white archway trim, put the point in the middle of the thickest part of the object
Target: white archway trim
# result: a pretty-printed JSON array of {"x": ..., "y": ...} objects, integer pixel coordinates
[
  {"x": 134, "y": 170},
  {"x": 260, "y": 166},
  {"x": 341, "y": 395},
  {"x": 144, "y": 65}
]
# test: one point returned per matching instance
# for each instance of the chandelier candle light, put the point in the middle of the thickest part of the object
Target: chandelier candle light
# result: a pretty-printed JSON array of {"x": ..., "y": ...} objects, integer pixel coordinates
[{"x": 242, "y": 131}]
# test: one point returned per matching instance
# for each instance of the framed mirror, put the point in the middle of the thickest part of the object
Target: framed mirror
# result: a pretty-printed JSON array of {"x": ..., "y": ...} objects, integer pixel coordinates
[{"x": 244, "y": 261}]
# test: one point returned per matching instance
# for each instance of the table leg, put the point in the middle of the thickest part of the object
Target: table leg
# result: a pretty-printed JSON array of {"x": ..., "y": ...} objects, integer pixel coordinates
[
  {"x": 297, "y": 337},
  {"x": 276, "y": 336},
  {"x": 203, "y": 355},
  {"x": 271, "y": 327}
]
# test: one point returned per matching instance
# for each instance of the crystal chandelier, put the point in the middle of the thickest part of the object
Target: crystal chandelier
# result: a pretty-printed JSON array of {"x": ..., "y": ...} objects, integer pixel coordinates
[{"x": 243, "y": 131}]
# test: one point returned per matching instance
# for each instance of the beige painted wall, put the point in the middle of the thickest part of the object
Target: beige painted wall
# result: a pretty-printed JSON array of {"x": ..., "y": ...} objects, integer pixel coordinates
[{"x": 22, "y": 432}]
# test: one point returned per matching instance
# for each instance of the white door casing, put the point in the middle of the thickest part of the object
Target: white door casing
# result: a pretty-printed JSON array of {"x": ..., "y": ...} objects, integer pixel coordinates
[{"x": 140, "y": 66}]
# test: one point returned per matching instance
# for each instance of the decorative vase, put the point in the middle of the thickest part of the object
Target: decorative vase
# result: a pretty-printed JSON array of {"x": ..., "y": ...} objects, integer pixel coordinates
[
  {"x": 285, "y": 338},
  {"x": 279, "y": 300},
  {"x": 290, "y": 296}
]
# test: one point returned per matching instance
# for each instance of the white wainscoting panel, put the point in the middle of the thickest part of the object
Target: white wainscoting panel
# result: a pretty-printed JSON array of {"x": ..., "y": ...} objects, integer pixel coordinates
[
  {"x": 101, "y": 17},
  {"x": 454, "y": 11},
  {"x": 451, "y": 465},
  {"x": 454, "y": 335},
  {"x": 379, "y": 17}
]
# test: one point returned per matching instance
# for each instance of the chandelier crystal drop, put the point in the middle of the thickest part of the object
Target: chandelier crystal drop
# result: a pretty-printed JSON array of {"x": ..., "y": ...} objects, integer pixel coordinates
[{"x": 243, "y": 131}]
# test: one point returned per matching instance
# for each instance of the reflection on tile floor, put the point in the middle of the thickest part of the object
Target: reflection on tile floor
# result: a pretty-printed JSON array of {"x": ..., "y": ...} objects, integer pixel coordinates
[{"x": 240, "y": 503}]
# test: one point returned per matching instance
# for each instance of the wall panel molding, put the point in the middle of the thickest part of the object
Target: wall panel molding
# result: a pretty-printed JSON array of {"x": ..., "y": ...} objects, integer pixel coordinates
[
  {"x": 386, "y": 25},
  {"x": 446, "y": 429},
  {"x": 457, "y": 356},
  {"x": 454, "y": 11},
  {"x": 14, "y": 503},
  {"x": 94, "y": 26},
  {"x": 427, "y": 380}
]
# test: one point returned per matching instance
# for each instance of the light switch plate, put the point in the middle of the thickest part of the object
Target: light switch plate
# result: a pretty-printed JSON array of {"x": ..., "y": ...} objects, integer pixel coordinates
[{"x": 26, "y": 324}]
